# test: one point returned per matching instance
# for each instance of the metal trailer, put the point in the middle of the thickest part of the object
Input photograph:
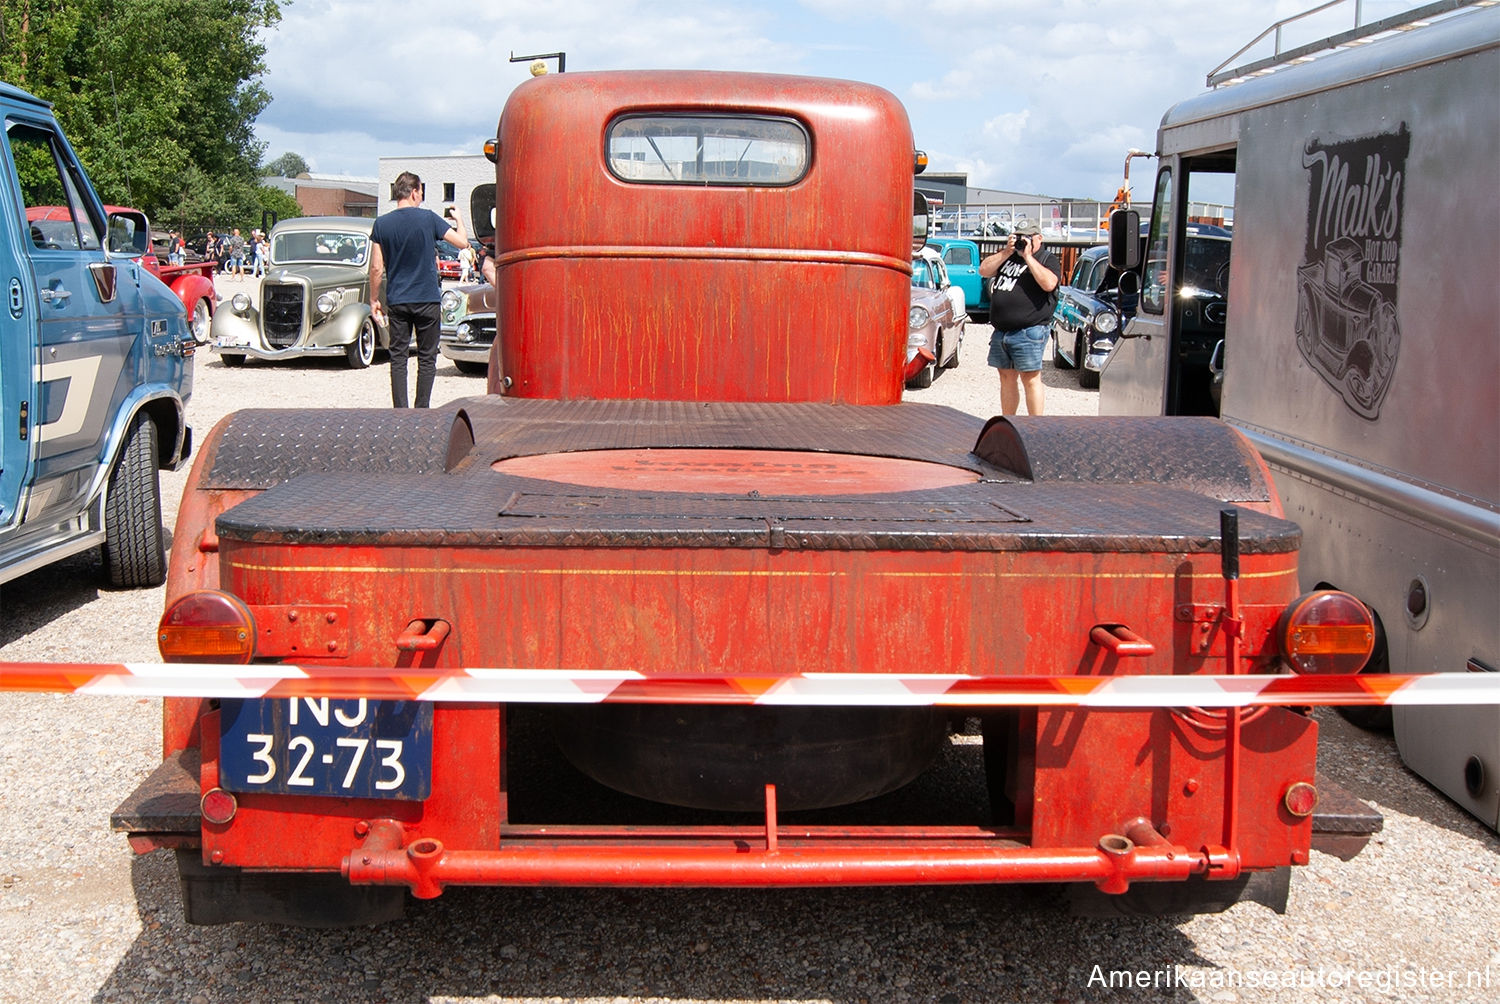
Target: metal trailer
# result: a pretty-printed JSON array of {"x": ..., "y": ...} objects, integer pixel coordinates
[
  {"x": 1353, "y": 335},
  {"x": 693, "y": 542}
]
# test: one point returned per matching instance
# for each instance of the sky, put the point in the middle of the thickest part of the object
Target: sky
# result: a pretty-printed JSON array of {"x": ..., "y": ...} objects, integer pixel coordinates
[{"x": 1042, "y": 97}]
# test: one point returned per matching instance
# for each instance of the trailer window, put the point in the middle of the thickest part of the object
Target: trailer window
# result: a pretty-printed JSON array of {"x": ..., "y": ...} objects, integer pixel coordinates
[
  {"x": 1154, "y": 272},
  {"x": 707, "y": 149}
]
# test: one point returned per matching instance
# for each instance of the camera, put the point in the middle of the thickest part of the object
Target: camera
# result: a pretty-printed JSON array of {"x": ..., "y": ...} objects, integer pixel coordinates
[{"x": 449, "y": 213}]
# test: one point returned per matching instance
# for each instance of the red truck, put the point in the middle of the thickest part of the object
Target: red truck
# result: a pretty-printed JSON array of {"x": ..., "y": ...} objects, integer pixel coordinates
[{"x": 693, "y": 542}]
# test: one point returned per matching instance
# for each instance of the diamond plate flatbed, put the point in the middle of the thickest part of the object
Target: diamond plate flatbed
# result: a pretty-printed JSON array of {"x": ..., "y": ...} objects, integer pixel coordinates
[{"x": 1040, "y": 484}]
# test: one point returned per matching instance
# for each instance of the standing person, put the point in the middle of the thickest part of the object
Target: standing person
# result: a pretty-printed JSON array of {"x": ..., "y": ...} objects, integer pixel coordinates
[
  {"x": 236, "y": 263},
  {"x": 174, "y": 248},
  {"x": 402, "y": 262},
  {"x": 258, "y": 253},
  {"x": 1021, "y": 302},
  {"x": 211, "y": 249},
  {"x": 466, "y": 264}
]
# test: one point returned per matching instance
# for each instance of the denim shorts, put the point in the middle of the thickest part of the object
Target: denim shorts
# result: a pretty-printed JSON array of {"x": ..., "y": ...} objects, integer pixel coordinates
[{"x": 1018, "y": 350}]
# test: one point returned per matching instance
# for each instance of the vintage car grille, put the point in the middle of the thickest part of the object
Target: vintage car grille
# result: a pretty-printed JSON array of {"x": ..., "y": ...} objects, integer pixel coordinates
[{"x": 282, "y": 312}]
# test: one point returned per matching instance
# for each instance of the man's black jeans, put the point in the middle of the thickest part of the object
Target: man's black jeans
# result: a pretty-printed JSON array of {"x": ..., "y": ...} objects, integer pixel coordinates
[{"x": 403, "y": 318}]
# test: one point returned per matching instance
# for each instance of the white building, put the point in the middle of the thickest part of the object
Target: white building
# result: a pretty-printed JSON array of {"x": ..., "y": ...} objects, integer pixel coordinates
[{"x": 449, "y": 181}]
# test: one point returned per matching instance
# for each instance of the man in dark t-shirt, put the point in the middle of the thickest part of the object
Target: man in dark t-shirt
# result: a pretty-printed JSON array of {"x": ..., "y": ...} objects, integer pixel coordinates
[
  {"x": 1021, "y": 302},
  {"x": 404, "y": 264}
]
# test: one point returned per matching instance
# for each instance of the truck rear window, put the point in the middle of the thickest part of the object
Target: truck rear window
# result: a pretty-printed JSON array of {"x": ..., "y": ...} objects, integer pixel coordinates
[{"x": 685, "y": 149}]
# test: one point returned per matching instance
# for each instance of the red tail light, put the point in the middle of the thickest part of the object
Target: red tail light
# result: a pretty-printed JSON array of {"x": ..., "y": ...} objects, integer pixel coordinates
[
  {"x": 206, "y": 626},
  {"x": 1326, "y": 632}
]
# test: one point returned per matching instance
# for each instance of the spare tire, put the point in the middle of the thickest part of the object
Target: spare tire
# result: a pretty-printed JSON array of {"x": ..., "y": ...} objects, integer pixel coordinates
[{"x": 710, "y": 757}]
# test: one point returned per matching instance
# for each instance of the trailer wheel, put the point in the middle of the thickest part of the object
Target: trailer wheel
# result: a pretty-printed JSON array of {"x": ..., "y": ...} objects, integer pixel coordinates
[
  {"x": 201, "y": 321},
  {"x": 1380, "y": 717},
  {"x": 1001, "y": 730},
  {"x": 361, "y": 351},
  {"x": 134, "y": 548}
]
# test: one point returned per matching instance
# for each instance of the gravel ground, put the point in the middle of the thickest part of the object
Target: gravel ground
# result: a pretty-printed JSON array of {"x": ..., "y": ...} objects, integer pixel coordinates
[{"x": 1415, "y": 915}]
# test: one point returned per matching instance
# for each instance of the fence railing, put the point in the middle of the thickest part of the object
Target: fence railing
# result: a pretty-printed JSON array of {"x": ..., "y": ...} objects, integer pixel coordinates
[
  {"x": 1057, "y": 220},
  {"x": 1077, "y": 221}
]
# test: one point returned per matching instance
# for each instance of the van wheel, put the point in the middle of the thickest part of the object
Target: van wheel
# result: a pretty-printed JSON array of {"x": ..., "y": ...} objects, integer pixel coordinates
[
  {"x": 362, "y": 350},
  {"x": 134, "y": 548}
]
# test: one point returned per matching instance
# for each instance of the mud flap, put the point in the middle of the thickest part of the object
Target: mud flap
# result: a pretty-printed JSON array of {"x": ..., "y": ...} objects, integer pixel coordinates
[
  {"x": 1195, "y": 896},
  {"x": 219, "y": 895}
]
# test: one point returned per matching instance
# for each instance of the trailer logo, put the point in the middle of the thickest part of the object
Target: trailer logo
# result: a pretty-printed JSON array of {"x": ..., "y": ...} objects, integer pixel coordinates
[{"x": 1347, "y": 288}]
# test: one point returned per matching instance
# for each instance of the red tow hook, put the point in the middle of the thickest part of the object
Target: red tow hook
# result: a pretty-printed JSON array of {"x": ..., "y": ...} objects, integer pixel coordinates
[
  {"x": 423, "y": 636},
  {"x": 1120, "y": 641}
]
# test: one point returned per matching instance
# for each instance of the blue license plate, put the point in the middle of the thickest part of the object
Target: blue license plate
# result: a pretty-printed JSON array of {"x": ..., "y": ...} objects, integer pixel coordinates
[{"x": 319, "y": 746}]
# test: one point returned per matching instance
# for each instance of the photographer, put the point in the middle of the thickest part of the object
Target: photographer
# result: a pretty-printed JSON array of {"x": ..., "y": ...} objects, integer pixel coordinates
[
  {"x": 401, "y": 259},
  {"x": 1021, "y": 302}
]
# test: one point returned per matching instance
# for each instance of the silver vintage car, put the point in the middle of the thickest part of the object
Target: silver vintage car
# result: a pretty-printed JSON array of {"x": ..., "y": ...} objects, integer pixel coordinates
[
  {"x": 467, "y": 316},
  {"x": 313, "y": 301}
]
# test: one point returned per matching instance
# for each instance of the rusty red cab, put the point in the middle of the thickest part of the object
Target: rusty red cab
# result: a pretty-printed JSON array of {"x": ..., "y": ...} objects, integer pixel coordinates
[
  {"x": 642, "y": 253},
  {"x": 694, "y": 465}
]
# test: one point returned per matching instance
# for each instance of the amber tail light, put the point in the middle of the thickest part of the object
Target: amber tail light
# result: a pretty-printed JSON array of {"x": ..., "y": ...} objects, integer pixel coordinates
[
  {"x": 1326, "y": 631},
  {"x": 206, "y": 626}
]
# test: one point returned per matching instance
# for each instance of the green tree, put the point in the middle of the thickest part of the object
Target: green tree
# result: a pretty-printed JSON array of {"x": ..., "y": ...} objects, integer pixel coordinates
[
  {"x": 288, "y": 165},
  {"x": 159, "y": 97}
]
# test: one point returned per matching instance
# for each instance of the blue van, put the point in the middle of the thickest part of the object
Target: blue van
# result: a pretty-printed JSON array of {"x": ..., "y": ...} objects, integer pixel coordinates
[{"x": 95, "y": 364}]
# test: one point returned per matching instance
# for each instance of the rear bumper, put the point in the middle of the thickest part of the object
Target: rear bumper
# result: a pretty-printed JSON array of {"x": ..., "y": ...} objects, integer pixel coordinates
[{"x": 164, "y": 813}]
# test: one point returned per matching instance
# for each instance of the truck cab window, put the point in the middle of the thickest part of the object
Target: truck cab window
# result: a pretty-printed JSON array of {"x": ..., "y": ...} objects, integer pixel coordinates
[
  {"x": 57, "y": 217},
  {"x": 958, "y": 254},
  {"x": 707, "y": 149}
]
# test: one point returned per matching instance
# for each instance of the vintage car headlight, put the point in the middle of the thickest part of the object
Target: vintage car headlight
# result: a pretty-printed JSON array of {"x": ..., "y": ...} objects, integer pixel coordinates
[
  {"x": 328, "y": 301},
  {"x": 240, "y": 303},
  {"x": 450, "y": 301},
  {"x": 466, "y": 332},
  {"x": 918, "y": 317},
  {"x": 1105, "y": 322}
]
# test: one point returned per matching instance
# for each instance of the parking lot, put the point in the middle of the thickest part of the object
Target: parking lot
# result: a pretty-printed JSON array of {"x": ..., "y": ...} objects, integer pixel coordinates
[{"x": 1413, "y": 916}]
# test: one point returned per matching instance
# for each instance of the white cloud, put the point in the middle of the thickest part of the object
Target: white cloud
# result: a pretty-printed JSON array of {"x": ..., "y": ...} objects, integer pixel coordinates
[{"x": 1025, "y": 96}]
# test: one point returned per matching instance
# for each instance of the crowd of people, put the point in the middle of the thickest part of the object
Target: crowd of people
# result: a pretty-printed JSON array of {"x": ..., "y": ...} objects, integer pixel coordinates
[
  {"x": 231, "y": 253},
  {"x": 235, "y": 254}
]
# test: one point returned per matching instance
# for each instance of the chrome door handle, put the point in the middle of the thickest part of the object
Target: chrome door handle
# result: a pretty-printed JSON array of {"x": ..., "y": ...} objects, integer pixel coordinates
[{"x": 56, "y": 296}]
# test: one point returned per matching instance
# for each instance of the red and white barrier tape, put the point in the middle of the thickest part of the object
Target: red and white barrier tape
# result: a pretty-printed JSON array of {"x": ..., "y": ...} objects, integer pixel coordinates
[{"x": 546, "y": 686}]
